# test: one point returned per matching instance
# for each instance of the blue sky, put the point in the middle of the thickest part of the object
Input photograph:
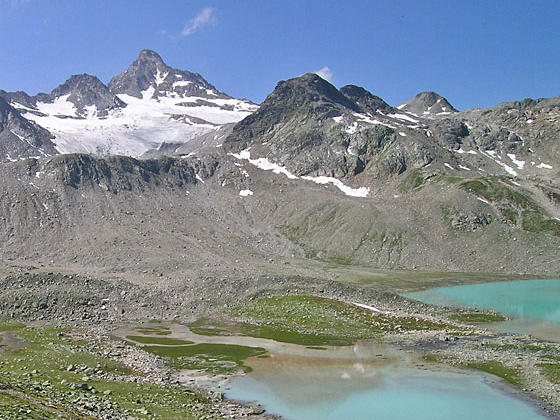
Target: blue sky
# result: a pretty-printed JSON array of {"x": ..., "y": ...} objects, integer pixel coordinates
[{"x": 476, "y": 53}]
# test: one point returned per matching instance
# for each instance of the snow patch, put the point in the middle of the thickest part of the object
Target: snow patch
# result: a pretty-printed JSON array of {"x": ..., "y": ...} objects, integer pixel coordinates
[
  {"x": 266, "y": 165},
  {"x": 470, "y": 152},
  {"x": 338, "y": 119},
  {"x": 519, "y": 163},
  {"x": 352, "y": 192},
  {"x": 371, "y": 308},
  {"x": 160, "y": 78},
  {"x": 483, "y": 200},
  {"x": 263, "y": 163},
  {"x": 60, "y": 106},
  {"x": 182, "y": 83},
  {"x": 403, "y": 117},
  {"x": 448, "y": 166},
  {"x": 544, "y": 166},
  {"x": 351, "y": 129},
  {"x": 245, "y": 193},
  {"x": 402, "y": 133},
  {"x": 492, "y": 155},
  {"x": 367, "y": 119}
]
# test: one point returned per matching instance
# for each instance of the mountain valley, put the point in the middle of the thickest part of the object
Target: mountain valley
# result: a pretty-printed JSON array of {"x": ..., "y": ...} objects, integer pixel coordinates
[{"x": 157, "y": 202}]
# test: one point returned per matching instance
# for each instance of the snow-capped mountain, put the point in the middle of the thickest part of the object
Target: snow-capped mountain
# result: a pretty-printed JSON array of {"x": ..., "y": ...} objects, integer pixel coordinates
[
  {"x": 316, "y": 171},
  {"x": 147, "y": 106}
]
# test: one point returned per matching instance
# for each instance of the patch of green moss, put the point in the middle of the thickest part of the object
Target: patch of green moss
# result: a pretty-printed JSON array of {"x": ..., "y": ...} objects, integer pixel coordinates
[
  {"x": 512, "y": 203},
  {"x": 535, "y": 222},
  {"x": 498, "y": 369},
  {"x": 493, "y": 190},
  {"x": 432, "y": 358},
  {"x": 415, "y": 179},
  {"x": 315, "y": 321},
  {"x": 510, "y": 214},
  {"x": 451, "y": 179},
  {"x": 207, "y": 356},
  {"x": 154, "y": 330},
  {"x": 158, "y": 340},
  {"x": 552, "y": 371},
  {"x": 477, "y": 318},
  {"x": 340, "y": 260},
  {"x": 11, "y": 326},
  {"x": 209, "y": 327},
  {"x": 448, "y": 213}
]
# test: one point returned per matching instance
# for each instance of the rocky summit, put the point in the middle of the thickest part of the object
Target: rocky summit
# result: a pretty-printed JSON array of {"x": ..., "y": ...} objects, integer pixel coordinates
[{"x": 428, "y": 103}]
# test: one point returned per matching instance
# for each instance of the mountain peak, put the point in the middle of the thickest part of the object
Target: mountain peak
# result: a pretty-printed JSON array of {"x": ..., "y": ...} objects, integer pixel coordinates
[
  {"x": 366, "y": 100},
  {"x": 77, "y": 81},
  {"x": 149, "y": 55},
  {"x": 85, "y": 90},
  {"x": 151, "y": 61},
  {"x": 306, "y": 89},
  {"x": 428, "y": 103},
  {"x": 150, "y": 71}
]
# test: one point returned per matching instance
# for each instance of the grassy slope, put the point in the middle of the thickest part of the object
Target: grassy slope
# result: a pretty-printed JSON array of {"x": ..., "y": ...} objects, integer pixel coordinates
[{"x": 41, "y": 371}]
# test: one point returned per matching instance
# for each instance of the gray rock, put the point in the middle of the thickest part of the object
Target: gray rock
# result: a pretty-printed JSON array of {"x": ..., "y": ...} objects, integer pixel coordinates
[{"x": 428, "y": 103}]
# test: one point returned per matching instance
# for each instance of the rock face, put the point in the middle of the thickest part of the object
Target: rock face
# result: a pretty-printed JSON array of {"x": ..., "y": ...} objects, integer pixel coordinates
[
  {"x": 150, "y": 72},
  {"x": 313, "y": 129},
  {"x": 85, "y": 91},
  {"x": 21, "y": 138},
  {"x": 365, "y": 100},
  {"x": 428, "y": 103}
]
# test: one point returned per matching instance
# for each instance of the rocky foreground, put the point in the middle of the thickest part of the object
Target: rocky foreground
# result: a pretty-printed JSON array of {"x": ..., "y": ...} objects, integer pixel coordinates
[{"x": 70, "y": 364}]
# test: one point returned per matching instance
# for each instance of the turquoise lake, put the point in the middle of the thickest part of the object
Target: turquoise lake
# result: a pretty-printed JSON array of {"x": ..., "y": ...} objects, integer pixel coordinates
[
  {"x": 533, "y": 305},
  {"x": 299, "y": 392},
  {"x": 393, "y": 387}
]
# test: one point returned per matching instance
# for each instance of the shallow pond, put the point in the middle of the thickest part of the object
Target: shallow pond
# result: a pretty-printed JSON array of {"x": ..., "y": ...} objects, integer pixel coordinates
[
  {"x": 303, "y": 388},
  {"x": 533, "y": 305}
]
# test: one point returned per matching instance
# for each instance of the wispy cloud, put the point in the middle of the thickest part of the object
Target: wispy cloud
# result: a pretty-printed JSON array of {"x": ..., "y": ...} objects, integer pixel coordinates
[
  {"x": 326, "y": 74},
  {"x": 205, "y": 17}
]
